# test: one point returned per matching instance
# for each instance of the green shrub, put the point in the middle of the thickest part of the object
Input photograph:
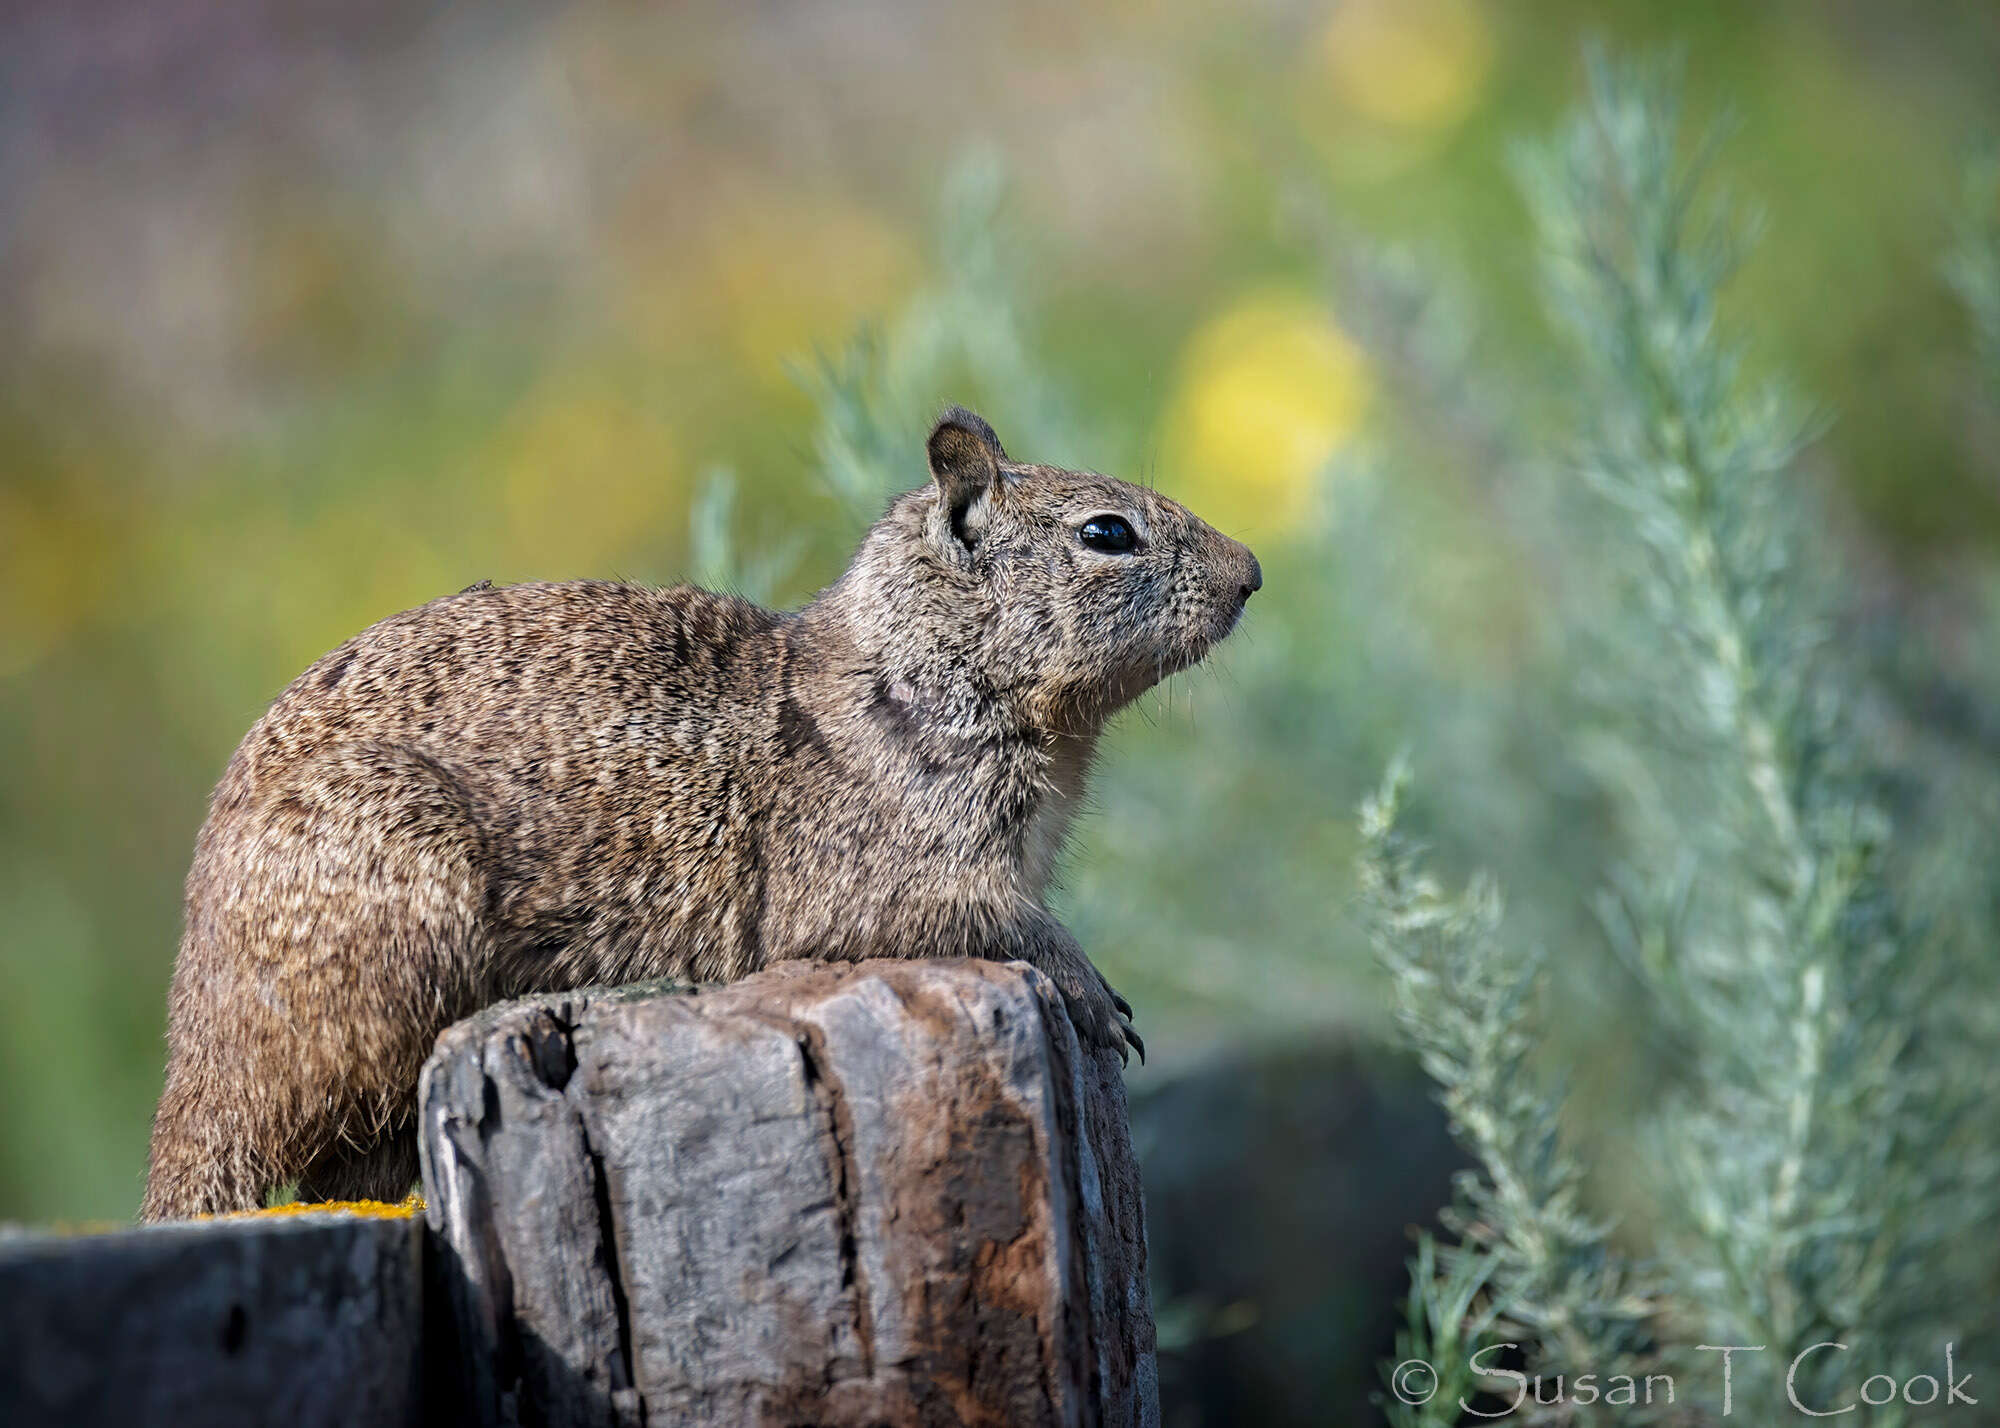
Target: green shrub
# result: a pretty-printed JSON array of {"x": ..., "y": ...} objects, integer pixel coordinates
[{"x": 1820, "y": 1155}]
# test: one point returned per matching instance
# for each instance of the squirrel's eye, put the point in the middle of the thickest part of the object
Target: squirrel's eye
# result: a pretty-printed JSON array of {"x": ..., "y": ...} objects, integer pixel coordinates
[{"x": 1111, "y": 534}]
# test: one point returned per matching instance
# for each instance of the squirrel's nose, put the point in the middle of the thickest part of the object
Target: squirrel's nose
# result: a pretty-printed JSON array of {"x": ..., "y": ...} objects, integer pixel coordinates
[{"x": 1254, "y": 581}]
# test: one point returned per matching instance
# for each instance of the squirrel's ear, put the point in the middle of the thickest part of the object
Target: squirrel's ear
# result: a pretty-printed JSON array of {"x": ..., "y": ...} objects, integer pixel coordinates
[{"x": 965, "y": 459}]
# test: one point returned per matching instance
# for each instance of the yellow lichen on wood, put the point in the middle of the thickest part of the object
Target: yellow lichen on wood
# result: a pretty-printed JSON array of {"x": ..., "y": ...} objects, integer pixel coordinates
[{"x": 364, "y": 1209}]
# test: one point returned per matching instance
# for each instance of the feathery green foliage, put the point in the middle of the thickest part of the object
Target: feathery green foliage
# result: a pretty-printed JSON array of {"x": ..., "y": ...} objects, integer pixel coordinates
[
  {"x": 1818, "y": 1157},
  {"x": 1471, "y": 1003}
]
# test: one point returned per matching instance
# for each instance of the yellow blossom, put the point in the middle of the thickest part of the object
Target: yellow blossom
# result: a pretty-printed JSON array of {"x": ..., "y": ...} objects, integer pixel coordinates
[{"x": 1268, "y": 391}]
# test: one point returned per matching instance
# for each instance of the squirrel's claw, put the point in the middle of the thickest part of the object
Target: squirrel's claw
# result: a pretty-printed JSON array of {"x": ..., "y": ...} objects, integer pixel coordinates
[
  {"x": 1128, "y": 1039},
  {"x": 1133, "y": 1040}
]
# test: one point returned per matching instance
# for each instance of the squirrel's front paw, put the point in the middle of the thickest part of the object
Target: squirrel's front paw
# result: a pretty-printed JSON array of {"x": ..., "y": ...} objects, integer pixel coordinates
[{"x": 1103, "y": 1018}]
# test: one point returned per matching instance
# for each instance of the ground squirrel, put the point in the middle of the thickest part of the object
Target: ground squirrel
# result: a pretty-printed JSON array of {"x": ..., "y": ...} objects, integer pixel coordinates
[{"x": 537, "y": 787}]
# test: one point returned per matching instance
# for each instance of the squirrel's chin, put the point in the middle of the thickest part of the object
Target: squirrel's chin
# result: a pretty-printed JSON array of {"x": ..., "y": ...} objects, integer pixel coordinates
[
  {"x": 1184, "y": 656},
  {"x": 1190, "y": 654},
  {"x": 1224, "y": 624}
]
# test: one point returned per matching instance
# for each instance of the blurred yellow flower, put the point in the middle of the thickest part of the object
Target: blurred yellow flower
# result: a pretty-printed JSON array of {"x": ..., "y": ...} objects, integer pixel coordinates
[
  {"x": 1268, "y": 391},
  {"x": 1409, "y": 64}
]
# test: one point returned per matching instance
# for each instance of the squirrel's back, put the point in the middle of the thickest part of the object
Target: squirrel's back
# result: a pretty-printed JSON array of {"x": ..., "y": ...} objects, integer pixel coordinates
[{"x": 520, "y": 686}]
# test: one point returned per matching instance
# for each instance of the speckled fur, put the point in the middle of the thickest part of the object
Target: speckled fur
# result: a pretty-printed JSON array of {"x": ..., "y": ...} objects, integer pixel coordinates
[{"x": 538, "y": 787}]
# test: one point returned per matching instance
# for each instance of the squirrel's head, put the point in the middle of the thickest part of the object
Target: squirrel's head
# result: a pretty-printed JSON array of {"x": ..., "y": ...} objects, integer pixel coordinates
[{"x": 1065, "y": 593}]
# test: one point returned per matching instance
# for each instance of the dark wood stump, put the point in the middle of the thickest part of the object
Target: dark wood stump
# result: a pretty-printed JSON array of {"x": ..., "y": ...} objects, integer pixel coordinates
[
  {"x": 313, "y": 1321},
  {"x": 893, "y": 1192}
]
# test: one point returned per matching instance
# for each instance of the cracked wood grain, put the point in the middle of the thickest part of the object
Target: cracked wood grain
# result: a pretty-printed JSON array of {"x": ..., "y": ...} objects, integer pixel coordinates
[{"x": 889, "y": 1192}]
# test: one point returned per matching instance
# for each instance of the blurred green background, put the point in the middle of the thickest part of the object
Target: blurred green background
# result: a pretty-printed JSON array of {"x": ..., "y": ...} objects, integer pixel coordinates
[{"x": 311, "y": 313}]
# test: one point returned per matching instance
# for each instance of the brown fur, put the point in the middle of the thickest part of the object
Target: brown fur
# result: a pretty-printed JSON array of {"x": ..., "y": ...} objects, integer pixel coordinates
[{"x": 539, "y": 787}]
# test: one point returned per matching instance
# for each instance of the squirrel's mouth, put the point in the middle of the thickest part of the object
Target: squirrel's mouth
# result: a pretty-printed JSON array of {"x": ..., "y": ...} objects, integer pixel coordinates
[
  {"x": 1175, "y": 656},
  {"x": 1195, "y": 648},
  {"x": 1228, "y": 615}
]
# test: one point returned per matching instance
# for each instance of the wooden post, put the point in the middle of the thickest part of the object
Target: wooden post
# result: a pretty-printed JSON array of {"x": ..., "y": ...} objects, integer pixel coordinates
[
  {"x": 309, "y": 1321},
  {"x": 892, "y": 1192}
]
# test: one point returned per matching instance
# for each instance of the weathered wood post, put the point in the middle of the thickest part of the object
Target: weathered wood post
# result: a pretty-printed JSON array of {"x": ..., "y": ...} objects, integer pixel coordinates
[
  {"x": 313, "y": 1321},
  {"x": 893, "y": 1192}
]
